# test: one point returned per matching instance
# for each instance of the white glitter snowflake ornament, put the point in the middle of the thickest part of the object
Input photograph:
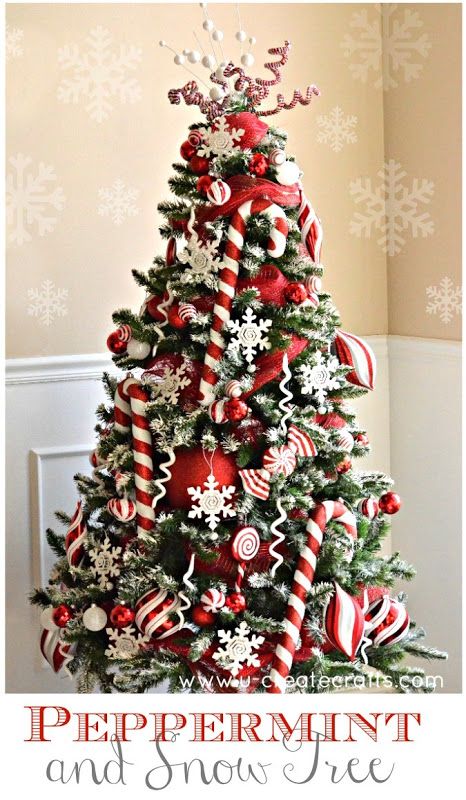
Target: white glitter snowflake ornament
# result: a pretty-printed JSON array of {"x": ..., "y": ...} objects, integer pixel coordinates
[
  {"x": 202, "y": 257},
  {"x": 220, "y": 139},
  {"x": 238, "y": 650},
  {"x": 124, "y": 643},
  {"x": 212, "y": 502},
  {"x": 167, "y": 387},
  {"x": 105, "y": 563},
  {"x": 318, "y": 379},
  {"x": 251, "y": 335}
]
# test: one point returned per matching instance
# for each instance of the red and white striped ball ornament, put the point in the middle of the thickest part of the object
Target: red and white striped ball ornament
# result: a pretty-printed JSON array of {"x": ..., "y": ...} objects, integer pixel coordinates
[
  {"x": 212, "y": 600},
  {"x": 245, "y": 544},
  {"x": 354, "y": 352},
  {"x": 195, "y": 138},
  {"x": 153, "y": 612},
  {"x": 368, "y": 507},
  {"x": 233, "y": 389},
  {"x": 75, "y": 538},
  {"x": 313, "y": 284},
  {"x": 124, "y": 509},
  {"x": 277, "y": 157},
  {"x": 187, "y": 312},
  {"x": 124, "y": 333},
  {"x": 218, "y": 193},
  {"x": 387, "y": 621},
  {"x": 217, "y": 412},
  {"x": 279, "y": 460},
  {"x": 344, "y": 622},
  {"x": 345, "y": 440}
]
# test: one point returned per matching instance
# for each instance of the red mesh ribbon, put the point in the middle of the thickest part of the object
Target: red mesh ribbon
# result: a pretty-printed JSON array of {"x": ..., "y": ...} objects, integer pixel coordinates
[
  {"x": 269, "y": 366},
  {"x": 270, "y": 283},
  {"x": 244, "y": 188}
]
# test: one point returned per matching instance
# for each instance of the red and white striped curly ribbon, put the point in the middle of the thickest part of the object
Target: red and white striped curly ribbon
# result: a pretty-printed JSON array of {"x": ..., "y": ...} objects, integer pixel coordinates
[
  {"x": 130, "y": 413},
  {"x": 302, "y": 581},
  {"x": 228, "y": 279}
]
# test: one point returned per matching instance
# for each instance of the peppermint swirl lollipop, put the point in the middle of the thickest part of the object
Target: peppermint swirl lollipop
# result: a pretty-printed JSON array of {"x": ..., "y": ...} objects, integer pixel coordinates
[{"x": 245, "y": 544}]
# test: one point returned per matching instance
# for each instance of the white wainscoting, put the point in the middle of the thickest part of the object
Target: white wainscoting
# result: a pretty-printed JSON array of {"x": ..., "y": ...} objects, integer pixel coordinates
[{"x": 50, "y": 421}]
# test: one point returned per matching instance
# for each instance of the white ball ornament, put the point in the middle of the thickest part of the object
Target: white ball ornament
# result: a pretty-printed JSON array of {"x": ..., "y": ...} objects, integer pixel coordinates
[
  {"x": 247, "y": 60},
  {"x": 252, "y": 41},
  {"x": 179, "y": 59},
  {"x": 46, "y": 619},
  {"x": 241, "y": 36},
  {"x": 94, "y": 618},
  {"x": 208, "y": 62},
  {"x": 208, "y": 25},
  {"x": 288, "y": 173},
  {"x": 137, "y": 350},
  {"x": 216, "y": 93},
  {"x": 194, "y": 57},
  {"x": 217, "y": 36},
  {"x": 219, "y": 72}
]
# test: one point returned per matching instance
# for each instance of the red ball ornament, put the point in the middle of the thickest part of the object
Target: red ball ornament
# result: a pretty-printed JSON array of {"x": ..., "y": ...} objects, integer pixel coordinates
[
  {"x": 174, "y": 318},
  {"x": 199, "y": 165},
  {"x": 236, "y": 409},
  {"x": 296, "y": 293},
  {"x": 121, "y": 616},
  {"x": 187, "y": 150},
  {"x": 344, "y": 466},
  {"x": 204, "y": 183},
  {"x": 362, "y": 439},
  {"x": 390, "y": 503},
  {"x": 258, "y": 164},
  {"x": 236, "y": 602},
  {"x": 62, "y": 615},
  {"x": 201, "y": 617},
  {"x": 115, "y": 344},
  {"x": 192, "y": 468}
]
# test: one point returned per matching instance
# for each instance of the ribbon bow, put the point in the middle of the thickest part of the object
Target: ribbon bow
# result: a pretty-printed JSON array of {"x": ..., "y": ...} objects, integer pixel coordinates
[{"x": 278, "y": 461}]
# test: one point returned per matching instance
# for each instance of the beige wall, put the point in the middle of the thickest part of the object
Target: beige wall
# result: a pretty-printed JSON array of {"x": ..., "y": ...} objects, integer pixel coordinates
[{"x": 89, "y": 256}]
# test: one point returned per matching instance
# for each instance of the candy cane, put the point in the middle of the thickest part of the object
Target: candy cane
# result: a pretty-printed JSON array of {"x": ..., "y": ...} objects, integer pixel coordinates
[
  {"x": 130, "y": 412},
  {"x": 302, "y": 581},
  {"x": 311, "y": 229},
  {"x": 228, "y": 279}
]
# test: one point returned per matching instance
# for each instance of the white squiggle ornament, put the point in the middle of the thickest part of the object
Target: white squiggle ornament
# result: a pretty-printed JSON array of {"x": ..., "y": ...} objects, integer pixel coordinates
[
  {"x": 279, "y": 537},
  {"x": 164, "y": 467},
  {"x": 284, "y": 403},
  {"x": 189, "y": 584}
]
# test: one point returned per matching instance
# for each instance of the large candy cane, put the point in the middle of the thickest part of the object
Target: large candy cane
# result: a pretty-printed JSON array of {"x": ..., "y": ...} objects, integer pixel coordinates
[
  {"x": 302, "y": 581},
  {"x": 130, "y": 413},
  {"x": 228, "y": 279},
  {"x": 311, "y": 229}
]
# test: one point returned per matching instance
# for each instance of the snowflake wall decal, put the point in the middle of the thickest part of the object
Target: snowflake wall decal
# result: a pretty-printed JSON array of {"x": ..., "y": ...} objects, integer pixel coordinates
[
  {"x": 392, "y": 207},
  {"x": 238, "y": 650},
  {"x": 105, "y": 563},
  {"x": 319, "y": 378},
  {"x": 337, "y": 129},
  {"x": 13, "y": 42},
  {"x": 250, "y": 335},
  {"x": 118, "y": 202},
  {"x": 212, "y": 502},
  {"x": 99, "y": 74},
  {"x": 47, "y": 303},
  {"x": 445, "y": 300},
  {"x": 220, "y": 139},
  {"x": 386, "y": 45},
  {"x": 124, "y": 643},
  {"x": 30, "y": 199}
]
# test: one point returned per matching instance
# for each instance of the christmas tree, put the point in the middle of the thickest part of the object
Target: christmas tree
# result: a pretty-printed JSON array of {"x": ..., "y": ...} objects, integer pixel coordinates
[{"x": 225, "y": 540}]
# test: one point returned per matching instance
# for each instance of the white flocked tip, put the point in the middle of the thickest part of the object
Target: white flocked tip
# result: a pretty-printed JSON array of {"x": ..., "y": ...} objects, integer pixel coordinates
[
  {"x": 247, "y": 60},
  {"x": 241, "y": 36},
  {"x": 194, "y": 57}
]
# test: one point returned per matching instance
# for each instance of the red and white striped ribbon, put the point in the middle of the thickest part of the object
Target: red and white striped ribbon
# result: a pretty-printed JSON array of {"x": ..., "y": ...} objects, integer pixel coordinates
[
  {"x": 130, "y": 412},
  {"x": 228, "y": 279},
  {"x": 75, "y": 538},
  {"x": 55, "y": 651},
  {"x": 311, "y": 229},
  {"x": 302, "y": 581}
]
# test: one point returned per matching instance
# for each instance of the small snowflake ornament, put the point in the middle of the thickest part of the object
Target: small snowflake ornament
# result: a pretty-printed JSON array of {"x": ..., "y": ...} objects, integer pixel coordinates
[
  {"x": 320, "y": 378},
  {"x": 238, "y": 650},
  {"x": 220, "y": 139},
  {"x": 167, "y": 387},
  {"x": 124, "y": 643},
  {"x": 202, "y": 257},
  {"x": 212, "y": 502},
  {"x": 251, "y": 335},
  {"x": 105, "y": 559}
]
